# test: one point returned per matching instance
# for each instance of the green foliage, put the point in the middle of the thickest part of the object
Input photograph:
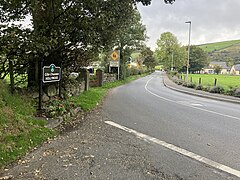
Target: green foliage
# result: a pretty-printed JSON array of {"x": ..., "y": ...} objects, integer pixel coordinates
[
  {"x": 170, "y": 53},
  {"x": 148, "y": 58},
  {"x": 72, "y": 32},
  {"x": 198, "y": 59},
  {"x": 59, "y": 106},
  {"x": 19, "y": 131},
  {"x": 131, "y": 38},
  {"x": 229, "y": 61},
  {"x": 216, "y": 89}
]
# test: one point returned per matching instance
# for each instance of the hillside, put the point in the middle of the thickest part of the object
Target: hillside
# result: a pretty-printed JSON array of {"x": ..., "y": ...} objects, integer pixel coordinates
[
  {"x": 220, "y": 51},
  {"x": 211, "y": 47}
]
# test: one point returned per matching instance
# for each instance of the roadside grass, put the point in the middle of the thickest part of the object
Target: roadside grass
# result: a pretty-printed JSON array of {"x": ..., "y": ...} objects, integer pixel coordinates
[
  {"x": 88, "y": 100},
  {"x": 19, "y": 131},
  {"x": 226, "y": 81},
  {"x": 218, "y": 45}
]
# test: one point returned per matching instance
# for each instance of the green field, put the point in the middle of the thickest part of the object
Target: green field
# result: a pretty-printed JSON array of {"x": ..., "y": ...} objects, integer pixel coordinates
[
  {"x": 218, "y": 45},
  {"x": 227, "y": 82}
]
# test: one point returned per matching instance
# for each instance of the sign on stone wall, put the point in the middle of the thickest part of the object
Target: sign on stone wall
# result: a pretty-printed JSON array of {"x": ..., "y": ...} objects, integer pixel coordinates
[{"x": 51, "y": 73}]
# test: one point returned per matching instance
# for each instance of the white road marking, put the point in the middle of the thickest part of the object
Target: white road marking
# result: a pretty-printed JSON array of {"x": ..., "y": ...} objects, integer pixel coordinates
[
  {"x": 179, "y": 102},
  {"x": 177, "y": 149},
  {"x": 195, "y": 104}
]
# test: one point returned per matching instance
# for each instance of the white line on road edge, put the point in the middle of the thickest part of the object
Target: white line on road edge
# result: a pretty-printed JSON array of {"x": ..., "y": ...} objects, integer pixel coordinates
[
  {"x": 177, "y": 149},
  {"x": 169, "y": 100}
]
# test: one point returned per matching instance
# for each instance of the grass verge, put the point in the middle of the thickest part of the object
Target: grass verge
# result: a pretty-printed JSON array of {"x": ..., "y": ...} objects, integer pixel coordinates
[
  {"x": 19, "y": 131},
  {"x": 226, "y": 81},
  {"x": 88, "y": 100}
]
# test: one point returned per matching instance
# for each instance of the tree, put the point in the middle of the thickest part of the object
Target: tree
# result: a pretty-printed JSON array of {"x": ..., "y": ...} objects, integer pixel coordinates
[
  {"x": 169, "y": 51},
  {"x": 71, "y": 32},
  {"x": 198, "y": 59},
  {"x": 217, "y": 69},
  {"x": 131, "y": 38},
  {"x": 148, "y": 58},
  {"x": 229, "y": 61}
]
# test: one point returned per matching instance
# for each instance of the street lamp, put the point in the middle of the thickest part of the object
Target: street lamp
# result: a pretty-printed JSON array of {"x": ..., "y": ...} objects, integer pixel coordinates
[{"x": 190, "y": 23}]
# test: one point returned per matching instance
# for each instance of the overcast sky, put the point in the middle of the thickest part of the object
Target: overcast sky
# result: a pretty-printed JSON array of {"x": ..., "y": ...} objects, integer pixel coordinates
[{"x": 212, "y": 20}]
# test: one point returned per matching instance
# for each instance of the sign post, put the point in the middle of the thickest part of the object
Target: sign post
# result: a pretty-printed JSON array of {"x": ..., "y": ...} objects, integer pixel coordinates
[
  {"x": 40, "y": 85},
  {"x": 47, "y": 74},
  {"x": 115, "y": 59}
]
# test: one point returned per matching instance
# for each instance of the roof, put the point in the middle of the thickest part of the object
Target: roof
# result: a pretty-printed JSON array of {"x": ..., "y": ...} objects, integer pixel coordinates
[
  {"x": 222, "y": 64},
  {"x": 237, "y": 67}
]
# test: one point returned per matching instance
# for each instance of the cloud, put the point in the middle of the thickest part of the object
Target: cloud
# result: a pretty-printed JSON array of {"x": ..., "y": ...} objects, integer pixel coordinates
[{"x": 212, "y": 21}]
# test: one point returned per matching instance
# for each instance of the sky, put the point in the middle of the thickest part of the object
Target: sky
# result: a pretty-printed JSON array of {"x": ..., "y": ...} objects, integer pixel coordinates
[{"x": 212, "y": 20}]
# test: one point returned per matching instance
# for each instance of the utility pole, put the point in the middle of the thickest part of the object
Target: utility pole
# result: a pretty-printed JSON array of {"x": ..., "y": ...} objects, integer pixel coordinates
[{"x": 190, "y": 24}]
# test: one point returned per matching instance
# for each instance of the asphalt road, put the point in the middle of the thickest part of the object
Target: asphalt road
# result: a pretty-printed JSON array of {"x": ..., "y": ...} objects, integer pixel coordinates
[{"x": 201, "y": 128}]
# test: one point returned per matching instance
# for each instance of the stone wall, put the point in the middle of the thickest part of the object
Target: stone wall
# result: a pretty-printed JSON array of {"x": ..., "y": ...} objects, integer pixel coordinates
[{"x": 109, "y": 77}]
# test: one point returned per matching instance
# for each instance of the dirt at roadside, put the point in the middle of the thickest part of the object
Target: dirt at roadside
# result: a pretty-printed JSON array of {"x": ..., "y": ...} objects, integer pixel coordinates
[{"x": 90, "y": 149}]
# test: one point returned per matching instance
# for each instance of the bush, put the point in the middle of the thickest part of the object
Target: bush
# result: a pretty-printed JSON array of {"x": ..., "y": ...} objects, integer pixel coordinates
[
  {"x": 178, "y": 81},
  {"x": 230, "y": 92},
  {"x": 173, "y": 73},
  {"x": 191, "y": 85},
  {"x": 184, "y": 84},
  {"x": 199, "y": 87},
  {"x": 237, "y": 92},
  {"x": 217, "y": 89},
  {"x": 206, "y": 88}
]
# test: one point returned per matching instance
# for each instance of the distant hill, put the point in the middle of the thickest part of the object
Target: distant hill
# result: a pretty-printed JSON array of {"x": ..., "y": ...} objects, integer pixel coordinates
[{"x": 220, "y": 51}]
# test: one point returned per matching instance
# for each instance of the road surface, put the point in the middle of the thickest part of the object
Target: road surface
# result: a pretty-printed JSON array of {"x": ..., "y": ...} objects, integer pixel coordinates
[{"x": 191, "y": 137}]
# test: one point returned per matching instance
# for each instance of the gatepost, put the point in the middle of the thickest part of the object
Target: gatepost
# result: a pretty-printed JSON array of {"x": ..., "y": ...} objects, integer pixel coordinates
[
  {"x": 84, "y": 73},
  {"x": 99, "y": 74}
]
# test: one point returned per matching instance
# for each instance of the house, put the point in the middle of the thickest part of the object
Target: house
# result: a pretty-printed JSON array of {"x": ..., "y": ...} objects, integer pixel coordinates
[
  {"x": 235, "y": 70},
  {"x": 211, "y": 68}
]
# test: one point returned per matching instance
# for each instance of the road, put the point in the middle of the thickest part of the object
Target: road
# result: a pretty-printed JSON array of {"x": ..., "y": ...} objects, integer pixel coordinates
[{"x": 189, "y": 136}]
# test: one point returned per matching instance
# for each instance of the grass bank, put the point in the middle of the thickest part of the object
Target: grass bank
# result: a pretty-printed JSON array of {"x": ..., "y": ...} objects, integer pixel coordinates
[
  {"x": 218, "y": 45},
  {"x": 19, "y": 130},
  {"x": 88, "y": 100}
]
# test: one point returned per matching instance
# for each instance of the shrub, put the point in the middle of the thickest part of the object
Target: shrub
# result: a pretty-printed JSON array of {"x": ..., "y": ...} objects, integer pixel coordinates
[
  {"x": 199, "y": 87},
  {"x": 217, "y": 89},
  {"x": 173, "y": 73},
  {"x": 191, "y": 85},
  {"x": 184, "y": 84},
  {"x": 230, "y": 92},
  {"x": 237, "y": 92},
  {"x": 178, "y": 81}
]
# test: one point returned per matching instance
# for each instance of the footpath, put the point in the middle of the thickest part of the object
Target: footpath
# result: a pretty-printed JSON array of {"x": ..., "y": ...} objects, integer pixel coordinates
[{"x": 220, "y": 97}]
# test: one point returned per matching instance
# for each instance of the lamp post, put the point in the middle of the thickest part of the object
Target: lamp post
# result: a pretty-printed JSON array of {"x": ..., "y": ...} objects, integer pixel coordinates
[{"x": 190, "y": 23}]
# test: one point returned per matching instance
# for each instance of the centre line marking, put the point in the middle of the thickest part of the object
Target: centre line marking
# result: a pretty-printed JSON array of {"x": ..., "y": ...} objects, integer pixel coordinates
[
  {"x": 179, "y": 150},
  {"x": 194, "y": 107}
]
